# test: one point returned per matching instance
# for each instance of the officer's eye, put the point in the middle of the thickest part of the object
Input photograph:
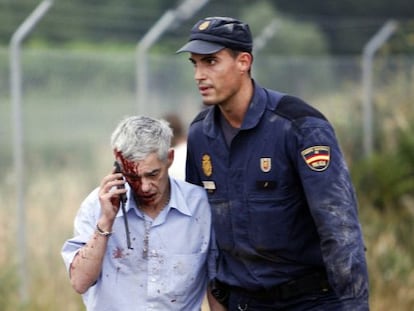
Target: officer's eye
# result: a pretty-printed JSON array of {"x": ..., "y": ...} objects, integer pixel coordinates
[{"x": 211, "y": 60}]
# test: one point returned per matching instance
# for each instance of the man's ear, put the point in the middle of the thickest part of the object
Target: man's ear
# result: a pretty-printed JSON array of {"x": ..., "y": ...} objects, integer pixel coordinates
[
  {"x": 245, "y": 61},
  {"x": 170, "y": 157}
]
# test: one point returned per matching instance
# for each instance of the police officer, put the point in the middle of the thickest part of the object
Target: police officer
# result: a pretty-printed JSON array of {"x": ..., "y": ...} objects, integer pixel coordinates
[{"x": 284, "y": 208}]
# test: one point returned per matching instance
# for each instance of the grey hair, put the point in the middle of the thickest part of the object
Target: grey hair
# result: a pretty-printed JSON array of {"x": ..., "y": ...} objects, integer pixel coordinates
[{"x": 136, "y": 137}]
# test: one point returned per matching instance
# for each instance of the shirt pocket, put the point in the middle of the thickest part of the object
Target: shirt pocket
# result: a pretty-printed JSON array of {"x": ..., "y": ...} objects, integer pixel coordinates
[
  {"x": 269, "y": 221},
  {"x": 185, "y": 275}
]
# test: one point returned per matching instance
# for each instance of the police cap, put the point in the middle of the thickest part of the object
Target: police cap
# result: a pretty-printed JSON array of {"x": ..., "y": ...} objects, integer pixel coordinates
[{"x": 212, "y": 34}]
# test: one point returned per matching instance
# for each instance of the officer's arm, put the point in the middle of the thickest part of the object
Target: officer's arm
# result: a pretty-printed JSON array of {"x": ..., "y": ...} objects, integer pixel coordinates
[{"x": 332, "y": 203}]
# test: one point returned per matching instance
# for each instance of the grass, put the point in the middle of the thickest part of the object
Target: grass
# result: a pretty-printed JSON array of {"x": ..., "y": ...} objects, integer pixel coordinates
[
  {"x": 51, "y": 204},
  {"x": 390, "y": 258}
]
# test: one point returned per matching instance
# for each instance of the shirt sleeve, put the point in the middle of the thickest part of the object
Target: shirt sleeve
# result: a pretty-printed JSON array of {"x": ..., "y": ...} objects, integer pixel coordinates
[{"x": 332, "y": 202}]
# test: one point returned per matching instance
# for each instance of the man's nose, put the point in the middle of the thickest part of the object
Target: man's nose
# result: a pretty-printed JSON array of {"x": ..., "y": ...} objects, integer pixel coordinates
[
  {"x": 145, "y": 185},
  {"x": 198, "y": 73}
]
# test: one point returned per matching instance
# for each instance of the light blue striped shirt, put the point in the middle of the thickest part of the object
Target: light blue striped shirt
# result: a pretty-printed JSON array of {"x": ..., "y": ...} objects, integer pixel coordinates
[{"x": 173, "y": 276}]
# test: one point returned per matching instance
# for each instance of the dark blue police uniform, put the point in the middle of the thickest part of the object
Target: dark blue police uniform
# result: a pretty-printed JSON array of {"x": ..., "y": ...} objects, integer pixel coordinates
[{"x": 284, "y": 208}]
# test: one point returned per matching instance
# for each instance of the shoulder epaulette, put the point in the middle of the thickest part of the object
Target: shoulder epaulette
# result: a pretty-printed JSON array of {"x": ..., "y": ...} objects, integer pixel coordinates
[{"x": 294, "y": 108}]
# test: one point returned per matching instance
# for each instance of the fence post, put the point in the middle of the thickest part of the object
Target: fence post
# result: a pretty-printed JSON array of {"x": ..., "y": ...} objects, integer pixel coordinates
[
  {"x": 183, "y": 12},
  {"x": 368, "y": 54},
  {"x": 18, "y": 158}
]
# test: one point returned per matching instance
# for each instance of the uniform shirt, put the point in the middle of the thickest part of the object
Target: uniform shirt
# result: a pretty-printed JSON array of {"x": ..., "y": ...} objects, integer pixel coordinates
[
  {"x": 282, "y": 200},
  {"x": 173, "y": 276}
]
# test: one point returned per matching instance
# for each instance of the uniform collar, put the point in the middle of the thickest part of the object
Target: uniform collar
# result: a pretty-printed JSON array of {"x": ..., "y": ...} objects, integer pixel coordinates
[{"x": 253, "y": 115}]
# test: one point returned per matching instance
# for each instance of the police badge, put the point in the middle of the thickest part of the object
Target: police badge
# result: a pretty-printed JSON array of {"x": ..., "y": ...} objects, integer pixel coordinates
[
  {"x": 265, "y": 164},
  {"x": 206, "y": 165}
]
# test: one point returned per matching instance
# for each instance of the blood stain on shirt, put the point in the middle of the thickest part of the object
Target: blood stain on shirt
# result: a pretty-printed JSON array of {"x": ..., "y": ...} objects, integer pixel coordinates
[{"x": 118, "y": 253}]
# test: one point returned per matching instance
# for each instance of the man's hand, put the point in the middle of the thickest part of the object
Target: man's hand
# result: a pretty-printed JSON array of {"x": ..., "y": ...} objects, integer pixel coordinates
[{"x": 109, "y": 198}]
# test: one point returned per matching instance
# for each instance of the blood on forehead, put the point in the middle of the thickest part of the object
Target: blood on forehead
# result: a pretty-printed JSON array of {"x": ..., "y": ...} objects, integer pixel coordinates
[{"x": 127, "y": 166}]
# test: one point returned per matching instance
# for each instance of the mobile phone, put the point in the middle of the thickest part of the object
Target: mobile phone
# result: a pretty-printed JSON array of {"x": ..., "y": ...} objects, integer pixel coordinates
[
  {"x": 123, "y": 198},
  {"x": 118, "y": 170}
]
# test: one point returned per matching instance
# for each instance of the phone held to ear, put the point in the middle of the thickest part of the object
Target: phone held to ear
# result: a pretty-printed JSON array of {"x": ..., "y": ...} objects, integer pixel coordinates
[
  {"x": 118, "y": 170},
  {"x": 123, "y": 198}
]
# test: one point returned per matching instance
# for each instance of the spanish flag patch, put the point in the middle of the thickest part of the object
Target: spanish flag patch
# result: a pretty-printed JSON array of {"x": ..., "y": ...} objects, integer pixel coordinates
[{"x": 317, "y": 157}]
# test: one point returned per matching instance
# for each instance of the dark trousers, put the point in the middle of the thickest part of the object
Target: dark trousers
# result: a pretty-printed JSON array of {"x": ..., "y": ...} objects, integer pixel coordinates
[{"x": 313, "y": 302}]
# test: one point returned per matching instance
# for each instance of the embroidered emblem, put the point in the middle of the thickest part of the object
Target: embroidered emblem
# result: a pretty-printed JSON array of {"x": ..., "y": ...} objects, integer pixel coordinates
[
  {"x": 317, "y": 157},
  {"x": 204, "y": 25},
  {"x": 265, "y": 164},
  {"x": 206, "y": 165}
]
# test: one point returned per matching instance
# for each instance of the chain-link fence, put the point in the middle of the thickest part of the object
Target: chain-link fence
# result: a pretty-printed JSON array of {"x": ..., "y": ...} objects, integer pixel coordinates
[{"x": 74, "y": 98}]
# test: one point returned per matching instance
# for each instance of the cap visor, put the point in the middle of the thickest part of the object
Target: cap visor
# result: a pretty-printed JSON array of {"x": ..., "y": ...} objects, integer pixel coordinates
[{"x": 201, "y": 47}]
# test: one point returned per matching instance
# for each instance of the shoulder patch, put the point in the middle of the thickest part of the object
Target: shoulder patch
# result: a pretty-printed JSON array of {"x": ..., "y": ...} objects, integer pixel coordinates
[
  {"x": 317, "y": 157},
  {"x": 294, "y": 108}
]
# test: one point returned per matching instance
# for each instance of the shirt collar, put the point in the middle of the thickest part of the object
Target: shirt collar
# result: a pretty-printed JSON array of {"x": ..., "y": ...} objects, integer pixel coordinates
[{"x": 177, "y": 200}]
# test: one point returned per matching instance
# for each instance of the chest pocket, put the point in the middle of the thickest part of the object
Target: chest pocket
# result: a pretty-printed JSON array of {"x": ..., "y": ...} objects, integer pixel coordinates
[{"x": 269, "y": 223}]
